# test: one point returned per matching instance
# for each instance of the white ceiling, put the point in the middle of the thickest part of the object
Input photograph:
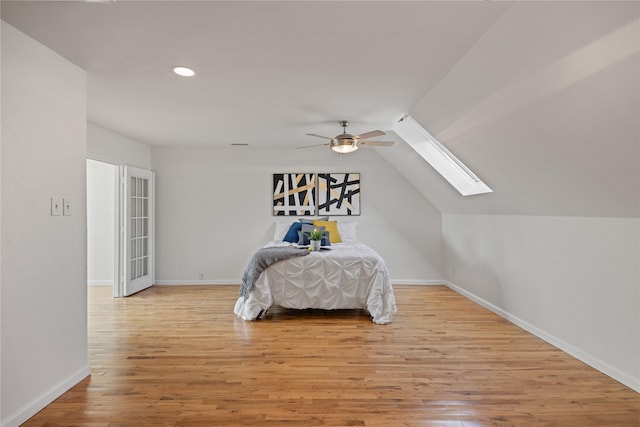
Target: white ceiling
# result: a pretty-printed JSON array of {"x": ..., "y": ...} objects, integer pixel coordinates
[
  {"x": 267, "y": 72},
  {"x": 540, "y": 99}
]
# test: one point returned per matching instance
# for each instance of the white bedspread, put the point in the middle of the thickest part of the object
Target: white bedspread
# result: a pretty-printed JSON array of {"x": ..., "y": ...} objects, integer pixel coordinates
[{"x": 348, "y": 276}]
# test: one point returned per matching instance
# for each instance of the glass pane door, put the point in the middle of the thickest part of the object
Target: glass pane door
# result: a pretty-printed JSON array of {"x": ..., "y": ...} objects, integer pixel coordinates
[{"x": 139, "y": 231}]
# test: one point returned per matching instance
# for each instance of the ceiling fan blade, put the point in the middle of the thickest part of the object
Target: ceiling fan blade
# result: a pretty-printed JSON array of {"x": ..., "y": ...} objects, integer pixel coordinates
[
  {"x": 377, "y": 143},
  {"x": 319, "y": 136},
  {"x": 311, "y": 146},
  {"x": 370, "y": 134}
]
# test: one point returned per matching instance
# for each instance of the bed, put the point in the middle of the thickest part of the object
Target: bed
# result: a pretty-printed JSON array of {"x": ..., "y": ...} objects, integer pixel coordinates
[{"x": 346, "y": 275}]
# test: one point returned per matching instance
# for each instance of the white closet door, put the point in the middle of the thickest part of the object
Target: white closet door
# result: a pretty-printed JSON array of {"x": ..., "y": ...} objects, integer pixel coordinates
[{"x": 138, "y": 230}]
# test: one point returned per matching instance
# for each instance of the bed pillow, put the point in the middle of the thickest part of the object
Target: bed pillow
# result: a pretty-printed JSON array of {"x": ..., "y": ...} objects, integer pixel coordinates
[
  {"x": 348, "y": 231},
  {"x": 326, "y": 240},
  {"x": 281, "y": 229},
  {"x": 332, "y": 228},
  {"x": 292, "y": 234},
  {"x": 310, "y": 220}
]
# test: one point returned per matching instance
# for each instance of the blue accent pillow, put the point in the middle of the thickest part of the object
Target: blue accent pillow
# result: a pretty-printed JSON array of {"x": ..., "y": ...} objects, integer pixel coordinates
[
  {"x": 326, "y": 241},
  {"x": 291, "y": 235}
]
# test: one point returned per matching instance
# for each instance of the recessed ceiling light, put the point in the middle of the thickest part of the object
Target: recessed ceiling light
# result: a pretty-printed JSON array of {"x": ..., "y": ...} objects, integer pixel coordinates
[{"x": 184, "y": 71}]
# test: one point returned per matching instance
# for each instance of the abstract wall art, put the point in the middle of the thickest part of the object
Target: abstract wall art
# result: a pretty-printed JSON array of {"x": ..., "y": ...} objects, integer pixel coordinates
[
  {"x": 294, "y": 194},
  {"x": 338, "y": 194}
]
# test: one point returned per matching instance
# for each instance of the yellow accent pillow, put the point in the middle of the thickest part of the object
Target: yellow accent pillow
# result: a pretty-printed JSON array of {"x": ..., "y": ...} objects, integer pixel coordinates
[{"x": 332, "y": 228}]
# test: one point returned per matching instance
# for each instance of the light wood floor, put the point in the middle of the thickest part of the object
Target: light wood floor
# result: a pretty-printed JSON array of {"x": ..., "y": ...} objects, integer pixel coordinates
[{"x": 178, "y": 356}]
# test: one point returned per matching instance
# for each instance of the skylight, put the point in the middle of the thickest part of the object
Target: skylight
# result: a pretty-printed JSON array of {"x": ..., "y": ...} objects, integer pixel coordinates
[{"x": 437, "y": 155}]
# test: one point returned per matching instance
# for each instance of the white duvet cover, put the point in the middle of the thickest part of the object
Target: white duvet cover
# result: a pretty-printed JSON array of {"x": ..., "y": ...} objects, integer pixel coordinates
[{"x": 347, "y": 276}]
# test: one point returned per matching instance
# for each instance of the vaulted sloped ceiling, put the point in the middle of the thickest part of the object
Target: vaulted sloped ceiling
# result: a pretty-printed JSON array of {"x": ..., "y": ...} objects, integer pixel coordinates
[{"x": 545, "y": 108}]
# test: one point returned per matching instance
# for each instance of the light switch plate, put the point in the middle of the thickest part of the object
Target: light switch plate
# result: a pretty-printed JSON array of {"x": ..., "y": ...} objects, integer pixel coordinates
[
  {"x": 66, "y": 207},
  {"x": 56, "y": 206}
]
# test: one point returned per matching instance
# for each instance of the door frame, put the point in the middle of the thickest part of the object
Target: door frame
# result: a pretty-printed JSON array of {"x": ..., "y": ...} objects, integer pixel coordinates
[{"x": 120, "y": 224}]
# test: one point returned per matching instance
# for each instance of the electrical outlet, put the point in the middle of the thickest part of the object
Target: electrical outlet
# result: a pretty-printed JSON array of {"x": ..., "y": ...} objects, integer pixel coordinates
[
  {"x": 56, "y": 206},
  {"x": 66, "y": 207},
  {"x": 201, "y": 276}
]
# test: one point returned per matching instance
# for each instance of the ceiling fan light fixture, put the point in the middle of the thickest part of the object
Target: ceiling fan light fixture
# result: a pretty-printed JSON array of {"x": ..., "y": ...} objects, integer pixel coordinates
[
  {"x": 345, "y": 143},
  {"x": 344, "y": 146}
]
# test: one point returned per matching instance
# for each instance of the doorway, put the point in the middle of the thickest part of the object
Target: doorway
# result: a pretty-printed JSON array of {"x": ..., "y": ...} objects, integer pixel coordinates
[
  {"x": 102, "y": 222},
  {"x": 120, "y": 227}
]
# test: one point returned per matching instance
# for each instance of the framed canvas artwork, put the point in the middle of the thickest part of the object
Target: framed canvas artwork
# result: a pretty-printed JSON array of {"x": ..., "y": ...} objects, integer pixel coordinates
[
  {"x": 338, "y": 194},
  {"x": 294, "y": 194}
]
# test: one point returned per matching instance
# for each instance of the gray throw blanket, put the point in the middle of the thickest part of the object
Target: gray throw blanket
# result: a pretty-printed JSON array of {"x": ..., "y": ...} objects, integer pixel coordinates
[{"x": 263, "y": 259}]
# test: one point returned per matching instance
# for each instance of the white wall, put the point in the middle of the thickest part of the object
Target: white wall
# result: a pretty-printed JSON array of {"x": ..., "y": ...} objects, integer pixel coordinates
[
  {"x": 101, "y": 215},
  {"x": 573, "y": 281},
  {"x": 214, "y": 211},
  {"x": 1, "y": 67},
  {"x": 44, "y": 267},
  {"x": 108, "y": 146}
]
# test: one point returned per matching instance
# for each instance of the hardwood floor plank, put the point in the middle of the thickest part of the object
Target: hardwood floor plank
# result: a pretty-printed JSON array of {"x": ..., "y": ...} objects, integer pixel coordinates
[{"x": 178, "y": 356}]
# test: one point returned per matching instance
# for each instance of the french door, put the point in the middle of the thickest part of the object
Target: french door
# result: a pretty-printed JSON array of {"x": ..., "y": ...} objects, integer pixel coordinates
[{"x": 137, "y": 230}]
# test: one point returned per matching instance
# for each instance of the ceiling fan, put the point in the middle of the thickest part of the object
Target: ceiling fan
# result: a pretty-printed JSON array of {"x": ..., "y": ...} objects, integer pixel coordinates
[{"x": 346, "y": 143}]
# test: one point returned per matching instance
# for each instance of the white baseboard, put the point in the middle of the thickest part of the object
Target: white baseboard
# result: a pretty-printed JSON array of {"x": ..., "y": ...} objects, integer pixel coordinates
[
  {"x": 197, "y": 282},
  {"x": 415, "y": 282},
  {"x": 100, "y": 282},
  {"x": 29, "y": 410},
  {"x": 589, "y": 359}
]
